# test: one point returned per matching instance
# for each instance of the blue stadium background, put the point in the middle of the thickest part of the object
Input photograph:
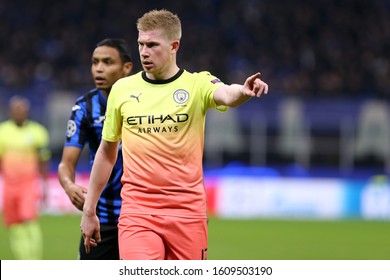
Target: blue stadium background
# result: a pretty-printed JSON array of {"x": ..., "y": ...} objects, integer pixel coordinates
[{"x": 324, "y": 60}]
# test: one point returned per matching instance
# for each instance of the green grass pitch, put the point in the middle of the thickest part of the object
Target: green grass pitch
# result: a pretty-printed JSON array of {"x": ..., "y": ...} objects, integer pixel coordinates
[{"x": 260, "y": 239}]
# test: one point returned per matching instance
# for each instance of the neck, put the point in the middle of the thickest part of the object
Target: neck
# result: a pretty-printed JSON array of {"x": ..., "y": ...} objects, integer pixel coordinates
[
  {"x": 106, "y": 92},
  {"x": 19, "y": 122}
]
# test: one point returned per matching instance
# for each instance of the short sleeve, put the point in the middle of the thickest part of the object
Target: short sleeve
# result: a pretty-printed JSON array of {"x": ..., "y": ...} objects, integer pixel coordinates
[{"x": 112, "y": 128}]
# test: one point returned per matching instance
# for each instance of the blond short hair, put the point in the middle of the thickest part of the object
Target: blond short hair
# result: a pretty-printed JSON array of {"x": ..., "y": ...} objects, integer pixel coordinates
[{"x": 164, "y": 20}]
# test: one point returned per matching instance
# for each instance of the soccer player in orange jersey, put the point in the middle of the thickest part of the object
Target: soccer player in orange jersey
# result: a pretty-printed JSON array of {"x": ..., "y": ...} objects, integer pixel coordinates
[
  {"x": 24, "y": 156},
  {"x": 159, "y": 114}
]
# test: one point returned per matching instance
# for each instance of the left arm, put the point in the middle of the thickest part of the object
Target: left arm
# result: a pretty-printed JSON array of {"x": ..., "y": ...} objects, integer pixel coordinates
[
  {"x": 104, "y": 161},
  {"x": 234, "y": 95}
]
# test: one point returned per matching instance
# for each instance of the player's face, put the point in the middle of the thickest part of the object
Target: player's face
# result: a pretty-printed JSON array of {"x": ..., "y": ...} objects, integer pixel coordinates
[
  {"x": 156, "y": 53},
  {"x": 19, "y": 111},
  {"x": 107, "y": 67}
]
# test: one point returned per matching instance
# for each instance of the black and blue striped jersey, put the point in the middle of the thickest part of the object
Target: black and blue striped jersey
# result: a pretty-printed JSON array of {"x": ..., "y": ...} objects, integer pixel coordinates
[{"x": 85, "y": 127}]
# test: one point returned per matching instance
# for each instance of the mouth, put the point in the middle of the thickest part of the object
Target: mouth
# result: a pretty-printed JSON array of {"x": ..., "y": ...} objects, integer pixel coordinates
[
  {"x": 99, "y": 81},
  {"x": 147, "y": 64}
]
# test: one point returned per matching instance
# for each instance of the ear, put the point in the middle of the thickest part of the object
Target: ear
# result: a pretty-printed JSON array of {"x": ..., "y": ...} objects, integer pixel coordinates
[
  {"x": 127, "y": 67},
  {"x": 175, "y": 46}
]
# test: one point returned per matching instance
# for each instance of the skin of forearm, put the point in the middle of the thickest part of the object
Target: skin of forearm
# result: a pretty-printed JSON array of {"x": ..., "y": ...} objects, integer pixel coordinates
[
  {"x": 234, "y": 96},
  {"x": 66, "y": 175},
  {"x": 100, "y": 174}
]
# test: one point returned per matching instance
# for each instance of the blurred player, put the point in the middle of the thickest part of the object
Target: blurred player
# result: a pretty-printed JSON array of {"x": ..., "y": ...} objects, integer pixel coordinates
[
  {"x": 159, "y": 114},
  {"x": 111, "y": 61},
  {"x": 24, "y": 158}
]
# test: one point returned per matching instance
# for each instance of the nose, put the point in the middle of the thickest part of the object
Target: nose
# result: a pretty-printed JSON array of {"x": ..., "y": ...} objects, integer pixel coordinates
[
  {"x": 99, "y": 67},
  {"x": 143, "y": 51}
]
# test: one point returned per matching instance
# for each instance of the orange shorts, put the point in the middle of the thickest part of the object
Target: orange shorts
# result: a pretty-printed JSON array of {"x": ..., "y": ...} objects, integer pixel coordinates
[
  {"x": 20, "y": 206},
  {"x": 153, "y": 237}
]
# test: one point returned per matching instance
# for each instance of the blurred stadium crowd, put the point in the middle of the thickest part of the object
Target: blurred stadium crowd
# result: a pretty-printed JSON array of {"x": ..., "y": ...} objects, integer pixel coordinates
[{"x": 304, "y": 48}]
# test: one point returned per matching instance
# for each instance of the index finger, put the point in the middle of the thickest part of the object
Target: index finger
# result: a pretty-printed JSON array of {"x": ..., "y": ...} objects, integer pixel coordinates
[{"x": 252, "y": 78}]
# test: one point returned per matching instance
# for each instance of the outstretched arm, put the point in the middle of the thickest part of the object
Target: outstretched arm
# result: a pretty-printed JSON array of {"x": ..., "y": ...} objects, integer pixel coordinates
[
  {"x": 235, "y": 95},
  {"x": 105, "y": 159}
]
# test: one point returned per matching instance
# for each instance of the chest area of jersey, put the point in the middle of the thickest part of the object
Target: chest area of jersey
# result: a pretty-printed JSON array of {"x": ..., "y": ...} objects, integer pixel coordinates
[
  {"x": 20, "y": 139},
  {"x": 158, "y": 108}
]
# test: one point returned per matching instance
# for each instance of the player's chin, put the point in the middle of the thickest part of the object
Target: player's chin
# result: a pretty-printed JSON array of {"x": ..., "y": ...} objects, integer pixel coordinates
[
  {"x": 148, "y": 67},
  {"x": 102, "y": 86}
]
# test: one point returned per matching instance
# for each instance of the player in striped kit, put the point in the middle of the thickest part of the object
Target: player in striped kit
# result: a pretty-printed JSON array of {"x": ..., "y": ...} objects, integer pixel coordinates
[{"x": 111, "y": 61}]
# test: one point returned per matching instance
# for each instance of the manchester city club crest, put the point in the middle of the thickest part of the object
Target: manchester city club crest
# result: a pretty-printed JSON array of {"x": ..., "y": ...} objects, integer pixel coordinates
[{"x": 181, "y": 96}]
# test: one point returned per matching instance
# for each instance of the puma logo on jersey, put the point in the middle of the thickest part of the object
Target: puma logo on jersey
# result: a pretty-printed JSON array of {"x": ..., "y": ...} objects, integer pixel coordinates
[{"x": 135, "y": 96}]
